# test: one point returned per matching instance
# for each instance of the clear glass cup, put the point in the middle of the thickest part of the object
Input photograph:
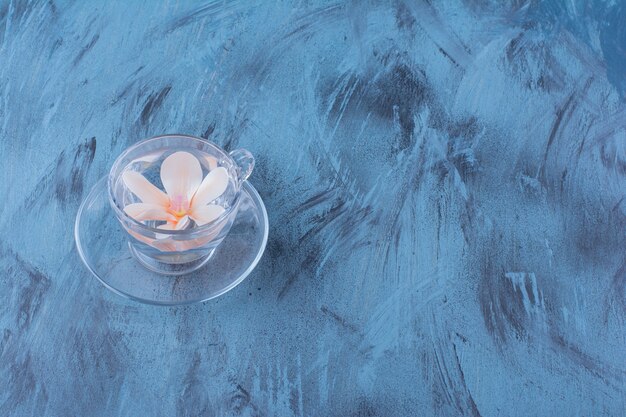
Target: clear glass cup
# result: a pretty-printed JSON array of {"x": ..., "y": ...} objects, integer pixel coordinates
[{"x": 176, "y": 252}]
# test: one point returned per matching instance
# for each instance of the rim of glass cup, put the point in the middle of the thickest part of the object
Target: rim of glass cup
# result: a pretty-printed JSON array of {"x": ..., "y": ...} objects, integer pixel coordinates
[{"x": 188, "y": 232}]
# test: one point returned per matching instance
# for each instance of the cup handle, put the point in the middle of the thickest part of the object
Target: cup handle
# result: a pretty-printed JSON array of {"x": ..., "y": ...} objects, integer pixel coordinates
[{"x": 244, "y": 161}]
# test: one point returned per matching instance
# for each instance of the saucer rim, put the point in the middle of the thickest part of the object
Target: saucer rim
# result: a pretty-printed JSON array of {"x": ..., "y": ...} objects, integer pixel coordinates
[{"x": 246, "y": 187}]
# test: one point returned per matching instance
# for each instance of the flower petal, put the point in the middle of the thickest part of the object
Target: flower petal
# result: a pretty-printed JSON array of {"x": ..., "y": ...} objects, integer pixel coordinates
[
  {"x": 211, "y": 161},
  {"x": 164, "y": 226},
  {"x": 175, "y": 225},
  {"x": 182, "y": 223},
  {"x": 143, "y": 211},
  {"x": 181, "y": 175},
  {"x": 206, "y": 214},
  {"x": 144, "y": 189},
  {"x": 213, "y": 186},
  {"x": 167, "y": 226},
  {"x": 179, "y": 225}
]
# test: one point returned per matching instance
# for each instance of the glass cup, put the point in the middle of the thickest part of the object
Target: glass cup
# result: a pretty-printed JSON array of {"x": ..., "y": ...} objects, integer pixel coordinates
[{"x": 176, "y": 252}]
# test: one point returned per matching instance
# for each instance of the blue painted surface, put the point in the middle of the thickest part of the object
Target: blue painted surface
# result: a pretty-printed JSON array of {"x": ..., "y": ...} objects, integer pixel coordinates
[{"x": 445, "y": 183}]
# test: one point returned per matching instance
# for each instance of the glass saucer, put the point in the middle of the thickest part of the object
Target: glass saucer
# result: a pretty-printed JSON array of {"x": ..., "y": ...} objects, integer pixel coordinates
[{"x": 103, "y": 247}]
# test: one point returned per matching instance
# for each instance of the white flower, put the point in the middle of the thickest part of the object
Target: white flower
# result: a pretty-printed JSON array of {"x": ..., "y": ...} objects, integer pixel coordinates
[{"x": 187, "y": 195}]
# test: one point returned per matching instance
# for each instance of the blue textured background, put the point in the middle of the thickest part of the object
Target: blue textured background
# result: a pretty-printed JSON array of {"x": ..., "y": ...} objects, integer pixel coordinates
[{"x": 445, "y": 183}]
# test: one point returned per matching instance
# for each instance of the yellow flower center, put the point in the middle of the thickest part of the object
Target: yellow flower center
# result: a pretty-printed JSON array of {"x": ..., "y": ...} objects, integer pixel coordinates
[{"x": 179, "y": 206}]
